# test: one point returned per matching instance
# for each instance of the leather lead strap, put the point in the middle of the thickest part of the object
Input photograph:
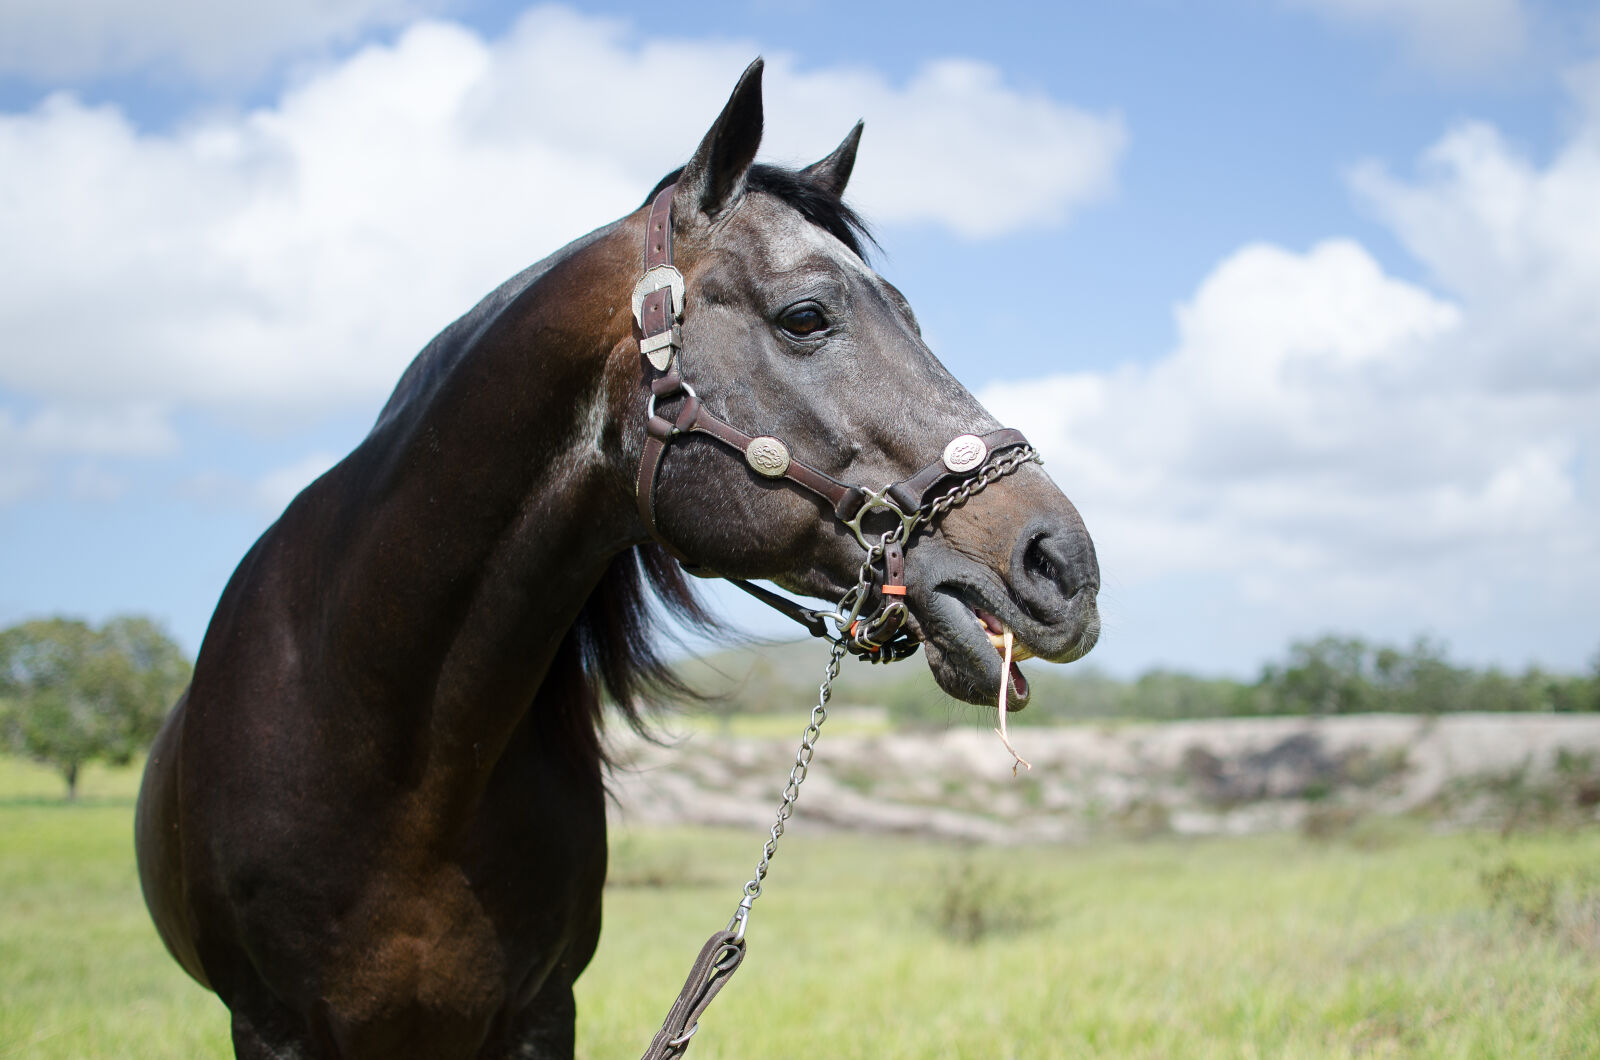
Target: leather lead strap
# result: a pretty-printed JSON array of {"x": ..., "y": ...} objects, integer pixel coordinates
[{"x": 719, "y": 959}]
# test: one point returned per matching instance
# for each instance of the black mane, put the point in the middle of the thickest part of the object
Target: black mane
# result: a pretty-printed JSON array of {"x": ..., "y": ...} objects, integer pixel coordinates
[
  {"x": 610, "y": 652},
  {"x": 815, "y": 205}
]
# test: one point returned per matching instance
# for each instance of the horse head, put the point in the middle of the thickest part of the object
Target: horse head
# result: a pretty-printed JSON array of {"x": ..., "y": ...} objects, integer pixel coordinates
[{"x": 790, "y": 337}]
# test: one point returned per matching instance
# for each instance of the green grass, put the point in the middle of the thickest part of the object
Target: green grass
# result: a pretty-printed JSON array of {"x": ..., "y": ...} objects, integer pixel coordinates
[
  {"x": 1271, "y": 946},
  {"x": 82, "y": 973},
  {"x": 23, "y": 782}
]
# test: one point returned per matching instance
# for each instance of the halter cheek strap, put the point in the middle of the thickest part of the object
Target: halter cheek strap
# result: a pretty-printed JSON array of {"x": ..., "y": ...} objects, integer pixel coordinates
[{"x": 658, "y": 296}]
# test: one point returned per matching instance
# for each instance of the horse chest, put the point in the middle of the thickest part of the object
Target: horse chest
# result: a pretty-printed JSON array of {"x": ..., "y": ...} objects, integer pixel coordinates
[{"x": 433, "y": 958}]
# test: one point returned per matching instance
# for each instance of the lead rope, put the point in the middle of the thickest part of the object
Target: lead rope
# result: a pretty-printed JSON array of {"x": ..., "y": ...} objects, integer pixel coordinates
[{"x": 724, "y": 951}]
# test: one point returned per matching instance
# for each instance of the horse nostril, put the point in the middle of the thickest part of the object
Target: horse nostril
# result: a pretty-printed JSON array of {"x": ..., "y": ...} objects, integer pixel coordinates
[
  {"x": 1036, "y": 563},
  {"x": 1054, "y": 565}
]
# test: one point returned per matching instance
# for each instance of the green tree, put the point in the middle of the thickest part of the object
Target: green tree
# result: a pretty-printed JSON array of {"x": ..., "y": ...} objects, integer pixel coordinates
[
  {"x": 70, "y": 693},
  {"x": 1329, "y": 675},
  {"x": 1423, "y": 681}
]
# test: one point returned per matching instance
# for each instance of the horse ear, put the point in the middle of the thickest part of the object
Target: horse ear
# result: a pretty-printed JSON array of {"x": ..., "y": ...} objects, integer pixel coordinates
[
  {"x": 831, "y": 174},
  {"x": 714, "y": 179}
]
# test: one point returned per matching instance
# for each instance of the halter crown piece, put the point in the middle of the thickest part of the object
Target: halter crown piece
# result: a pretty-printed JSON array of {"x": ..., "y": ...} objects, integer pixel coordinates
[{"x": 973, "y": 461}]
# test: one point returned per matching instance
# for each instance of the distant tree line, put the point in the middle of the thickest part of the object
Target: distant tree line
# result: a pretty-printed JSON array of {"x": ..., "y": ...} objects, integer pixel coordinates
[
  {"x": 1329, "y": 675},
  {"x": 71, "y": 693}
]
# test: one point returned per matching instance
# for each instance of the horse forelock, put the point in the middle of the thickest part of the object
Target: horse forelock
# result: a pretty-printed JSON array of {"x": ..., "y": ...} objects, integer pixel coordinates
[{"x": 816, "y": 204}]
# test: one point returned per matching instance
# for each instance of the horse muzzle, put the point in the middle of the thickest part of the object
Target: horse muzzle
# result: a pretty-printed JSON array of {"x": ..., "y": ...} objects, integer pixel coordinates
[{"x": 1043, "y": 591}]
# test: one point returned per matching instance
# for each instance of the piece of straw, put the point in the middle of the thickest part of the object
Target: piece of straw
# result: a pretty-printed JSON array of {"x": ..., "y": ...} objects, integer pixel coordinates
[{"x": 1005, "y": 682}]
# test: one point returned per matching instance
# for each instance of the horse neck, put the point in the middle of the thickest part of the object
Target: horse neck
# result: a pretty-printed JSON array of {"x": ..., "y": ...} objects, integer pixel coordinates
[{"x": 488, "y": 507}]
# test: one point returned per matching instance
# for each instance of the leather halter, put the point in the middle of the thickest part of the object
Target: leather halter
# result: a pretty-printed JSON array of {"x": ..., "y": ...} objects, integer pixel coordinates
[{"x": 658, "y": 301}]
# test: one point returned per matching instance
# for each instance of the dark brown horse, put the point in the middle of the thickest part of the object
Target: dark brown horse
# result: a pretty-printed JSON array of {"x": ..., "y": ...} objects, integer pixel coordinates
[{"x": 375, "y": 823}]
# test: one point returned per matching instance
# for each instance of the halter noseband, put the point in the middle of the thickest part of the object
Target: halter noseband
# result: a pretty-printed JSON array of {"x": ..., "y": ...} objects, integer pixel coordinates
[{"x": 658, "y": 303}]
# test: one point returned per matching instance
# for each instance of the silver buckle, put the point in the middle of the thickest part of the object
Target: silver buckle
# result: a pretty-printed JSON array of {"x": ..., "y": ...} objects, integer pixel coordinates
[
  {"x": 653, "y": 280},
  {"x": 660, "y": 348},
  {"x": 673, "y": 336}
]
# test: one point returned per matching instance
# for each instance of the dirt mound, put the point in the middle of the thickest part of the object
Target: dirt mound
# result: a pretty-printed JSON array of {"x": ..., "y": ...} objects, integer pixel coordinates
[{"x": 1202, "y": 777}]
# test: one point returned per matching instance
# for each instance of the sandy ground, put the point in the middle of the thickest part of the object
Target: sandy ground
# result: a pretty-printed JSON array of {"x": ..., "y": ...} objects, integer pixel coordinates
[{"x": 1197, "y": 778}]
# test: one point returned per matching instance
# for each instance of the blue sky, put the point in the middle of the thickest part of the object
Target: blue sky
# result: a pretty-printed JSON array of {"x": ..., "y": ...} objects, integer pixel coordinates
[{"x": 1296, "y": 296}]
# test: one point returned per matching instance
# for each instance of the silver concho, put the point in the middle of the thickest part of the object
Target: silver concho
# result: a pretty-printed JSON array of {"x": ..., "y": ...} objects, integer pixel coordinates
[
  {"x": 965, "y": 453},
  {"x": 768, "y": 456}
]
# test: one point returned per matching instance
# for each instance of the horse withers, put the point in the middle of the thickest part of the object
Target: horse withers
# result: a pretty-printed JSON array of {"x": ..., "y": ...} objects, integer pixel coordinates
[{"x": 375, "y": 822}]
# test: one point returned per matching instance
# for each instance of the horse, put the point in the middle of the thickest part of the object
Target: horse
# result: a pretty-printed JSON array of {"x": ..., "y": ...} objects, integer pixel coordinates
[{"x": 375, "y": 822}]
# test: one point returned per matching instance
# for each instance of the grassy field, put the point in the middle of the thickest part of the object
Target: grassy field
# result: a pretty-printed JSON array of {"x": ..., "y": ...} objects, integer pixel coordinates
[{"x": 1388, "y": 942}]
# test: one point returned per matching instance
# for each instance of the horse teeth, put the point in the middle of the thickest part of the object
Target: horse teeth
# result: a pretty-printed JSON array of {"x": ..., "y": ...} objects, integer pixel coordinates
[{"x": 1019, "y": 650}]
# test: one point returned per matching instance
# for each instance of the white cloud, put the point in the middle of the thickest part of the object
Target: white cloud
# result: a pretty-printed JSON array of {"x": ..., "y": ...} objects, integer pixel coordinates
[
  {"x": 1519, "y": 243},
  {"x": 124, "y": 430},
  {"x": 1453, "y": 36},
  {"x": 1342, "y": 446},
  {"x": 51, "y": 40},
  {"x": 1026, "y": 160},
  {"x": 296, "y": 257},
  {"x": 69, "y": 444}
]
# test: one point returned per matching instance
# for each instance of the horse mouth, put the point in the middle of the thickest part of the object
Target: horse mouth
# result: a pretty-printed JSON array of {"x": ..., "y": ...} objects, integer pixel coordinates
[{"x": 964, "y": 629}]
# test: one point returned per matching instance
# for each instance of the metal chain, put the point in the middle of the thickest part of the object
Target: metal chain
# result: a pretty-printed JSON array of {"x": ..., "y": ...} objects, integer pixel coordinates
[
  {"x": 855, "y": 597},
  {"x": 968, "y": 488},
  {"x": 791, "y": 791}
]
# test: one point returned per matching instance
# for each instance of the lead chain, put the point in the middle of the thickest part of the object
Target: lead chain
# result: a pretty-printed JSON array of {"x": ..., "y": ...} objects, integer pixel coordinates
[{"x": 791, "y": 791}]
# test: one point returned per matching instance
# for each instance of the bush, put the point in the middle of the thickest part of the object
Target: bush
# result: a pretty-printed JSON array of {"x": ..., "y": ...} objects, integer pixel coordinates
[
  {"x": 970, "y": 904},
  {"x": 1565, "y": 908}
]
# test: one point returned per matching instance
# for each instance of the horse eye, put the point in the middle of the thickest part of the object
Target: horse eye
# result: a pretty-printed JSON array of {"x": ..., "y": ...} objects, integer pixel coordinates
[{"x": 803, "y": 320}]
